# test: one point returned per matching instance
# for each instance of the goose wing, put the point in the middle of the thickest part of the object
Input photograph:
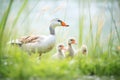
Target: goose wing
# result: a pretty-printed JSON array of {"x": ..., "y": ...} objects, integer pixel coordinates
[{"x": 31, "y": 39}]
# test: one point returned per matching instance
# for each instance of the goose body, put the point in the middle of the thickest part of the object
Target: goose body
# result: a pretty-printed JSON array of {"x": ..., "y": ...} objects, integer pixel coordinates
[
  {"x": 60, "y": 53},
  {"x": 71, "y": 51},
  {"x": 84, "y": 49},
  {"x": 38, "y": 43},
  {"x": 42, "y": 44}
]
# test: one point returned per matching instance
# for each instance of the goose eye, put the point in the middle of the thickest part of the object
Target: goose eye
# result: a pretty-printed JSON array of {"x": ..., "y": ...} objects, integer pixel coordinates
[{"x": 59, "y": 20}]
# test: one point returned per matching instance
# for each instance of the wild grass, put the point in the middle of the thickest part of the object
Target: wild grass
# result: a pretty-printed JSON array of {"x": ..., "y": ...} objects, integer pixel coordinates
[{"x": 16, "y": 64}]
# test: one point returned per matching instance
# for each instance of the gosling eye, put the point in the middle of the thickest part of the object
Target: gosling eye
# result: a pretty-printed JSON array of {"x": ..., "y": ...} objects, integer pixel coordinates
[
  {"x": 71, "y": 39},
  {"x": 60, "y": 45}
]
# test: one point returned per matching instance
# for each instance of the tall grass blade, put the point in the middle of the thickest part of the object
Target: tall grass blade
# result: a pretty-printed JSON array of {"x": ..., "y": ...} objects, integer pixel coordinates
[
  {"x": 81, "y": 24},
  {"x": 19, "y": 13},
  {"x": 4, "y": 18},
  {"x": 116, "y": 29}
]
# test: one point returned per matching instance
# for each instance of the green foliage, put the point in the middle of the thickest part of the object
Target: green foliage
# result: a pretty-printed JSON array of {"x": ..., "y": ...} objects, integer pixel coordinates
[
  {"x": 4, "y": 18},
  {"x": 16, "y": 64}
]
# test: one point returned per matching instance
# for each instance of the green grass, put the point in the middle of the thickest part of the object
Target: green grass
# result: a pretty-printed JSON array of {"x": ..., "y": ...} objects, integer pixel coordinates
[{"x": 16, "y": 64}]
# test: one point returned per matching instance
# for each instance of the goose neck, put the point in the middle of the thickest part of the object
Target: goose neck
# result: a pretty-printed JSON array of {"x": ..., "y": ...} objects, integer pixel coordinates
[
  {"x": 52, "y": 30},
  {"x": 60, "y": 52},
  {"x": 69, "y": 44}
]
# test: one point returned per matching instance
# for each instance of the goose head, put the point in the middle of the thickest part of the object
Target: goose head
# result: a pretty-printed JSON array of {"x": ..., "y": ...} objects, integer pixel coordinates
[
  {"x": 55, "y": 23},
  {"x": 61, "y": 47},
  {"x": 84, "y": 49},
  {"x": 71, "y": 41}
]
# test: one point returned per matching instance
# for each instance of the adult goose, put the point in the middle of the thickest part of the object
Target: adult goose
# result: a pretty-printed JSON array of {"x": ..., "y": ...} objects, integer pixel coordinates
[
  {"x": 60, "y": 53},
  {"x": 41, "y": 44}
]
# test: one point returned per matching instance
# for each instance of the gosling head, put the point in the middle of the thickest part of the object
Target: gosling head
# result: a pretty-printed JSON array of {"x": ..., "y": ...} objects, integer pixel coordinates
[
  {"x": 61, "y": 47},
  {"x": 84, "y": 49},
  {"x": 71, "y": 41}
]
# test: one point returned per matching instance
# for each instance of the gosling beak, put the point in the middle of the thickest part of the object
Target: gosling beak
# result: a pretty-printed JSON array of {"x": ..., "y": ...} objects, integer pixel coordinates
[
  {"x": 63, "y": 48},
  {"x": 74, "y": 42},
  {"x": 64, "y": 24}
]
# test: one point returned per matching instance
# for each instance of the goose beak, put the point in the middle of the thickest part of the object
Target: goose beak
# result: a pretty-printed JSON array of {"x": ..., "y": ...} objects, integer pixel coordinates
[{"x": 64, "y": 24}]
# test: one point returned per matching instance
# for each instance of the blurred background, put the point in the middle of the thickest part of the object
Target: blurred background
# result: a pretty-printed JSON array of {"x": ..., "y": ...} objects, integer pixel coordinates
[
  {"x": 95, "y": 23},
  {"x": 33, "y": 17}
]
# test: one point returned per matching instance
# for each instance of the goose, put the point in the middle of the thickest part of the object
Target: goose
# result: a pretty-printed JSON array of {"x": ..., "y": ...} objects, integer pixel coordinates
[
  {"x": 60, "y": 53},
  {"x": 39, "y": 43},
  {"x": 84, "y": 49},
  {"x": 71, "y": 51}
]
